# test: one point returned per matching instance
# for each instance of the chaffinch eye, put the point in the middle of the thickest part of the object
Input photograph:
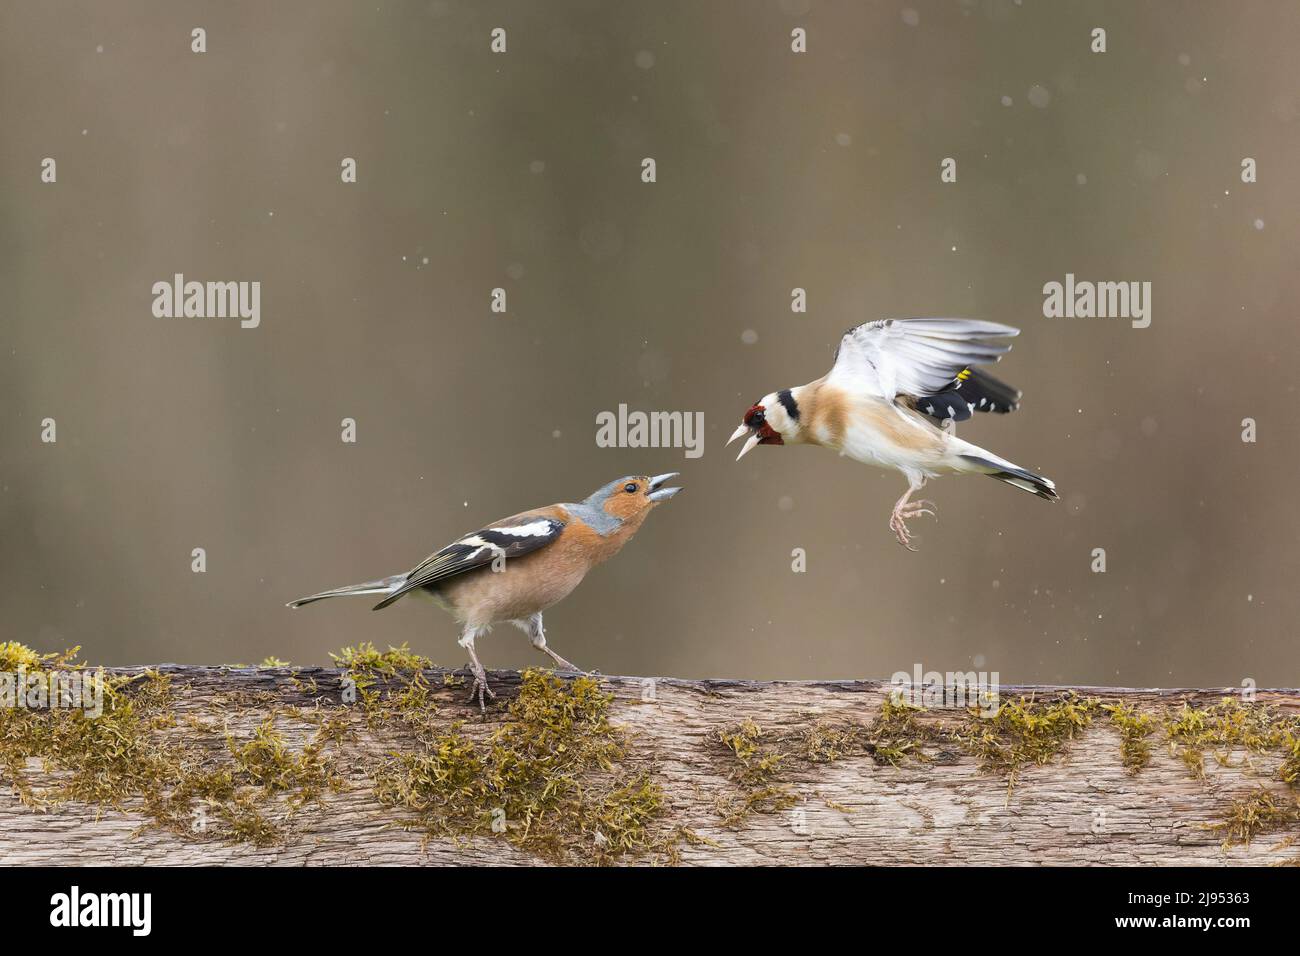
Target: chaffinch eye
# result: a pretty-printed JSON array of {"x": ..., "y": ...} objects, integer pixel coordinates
[{"x": 630, "y": 487}]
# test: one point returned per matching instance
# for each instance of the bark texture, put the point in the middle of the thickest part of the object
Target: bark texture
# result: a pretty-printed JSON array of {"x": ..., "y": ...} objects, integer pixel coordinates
[{"x": 1082, "y": 807}]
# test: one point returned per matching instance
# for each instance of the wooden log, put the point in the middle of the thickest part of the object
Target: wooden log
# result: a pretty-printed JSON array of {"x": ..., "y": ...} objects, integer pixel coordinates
[{"x": 869, "y": 797}]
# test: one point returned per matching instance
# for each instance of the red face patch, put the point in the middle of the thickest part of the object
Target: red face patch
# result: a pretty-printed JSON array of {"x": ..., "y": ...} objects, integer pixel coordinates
[{"x": 756, "y": 419}]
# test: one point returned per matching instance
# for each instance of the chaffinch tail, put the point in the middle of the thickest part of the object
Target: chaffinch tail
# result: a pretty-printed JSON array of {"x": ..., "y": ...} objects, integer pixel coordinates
[
  {"x": 893, "y": 398},
  {"x": 514, "y": 569}
]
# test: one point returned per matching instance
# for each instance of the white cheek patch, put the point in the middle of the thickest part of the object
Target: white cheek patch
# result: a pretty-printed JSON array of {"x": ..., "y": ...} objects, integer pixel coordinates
[{"x": 778, "y": 418}]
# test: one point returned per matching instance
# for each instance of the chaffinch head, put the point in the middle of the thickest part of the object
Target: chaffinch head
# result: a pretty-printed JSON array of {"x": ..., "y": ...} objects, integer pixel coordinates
[
  {"x": 514, "y": 569},
  {"x": 892, "y": 398}
]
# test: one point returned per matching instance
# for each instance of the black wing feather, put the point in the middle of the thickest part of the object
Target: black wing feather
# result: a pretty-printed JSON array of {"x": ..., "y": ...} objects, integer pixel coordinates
[
  {"x": 971, "y": 391},
  {"x": 479, "y": 548}
]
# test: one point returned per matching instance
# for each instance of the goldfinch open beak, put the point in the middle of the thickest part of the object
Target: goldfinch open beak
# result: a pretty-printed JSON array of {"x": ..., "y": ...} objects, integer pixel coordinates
[
  {"x": 749, "y": 442},
  {"x": 657, "y": 491}
]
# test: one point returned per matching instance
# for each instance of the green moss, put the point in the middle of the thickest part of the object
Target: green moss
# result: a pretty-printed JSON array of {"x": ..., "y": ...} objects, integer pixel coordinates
[
  {"x": 267, "y": 761},
  {"x": 556, "y": 778},
  {"x": 130, "y": 757},
  {"x": 1221, "y": 729},
  {"x": 106, "y": 758},
  {"x": 1228, "y": 725},
  {"x": 1134, "y": 729},
  {"x": 899, "y": 734},
  {"x": 1026, "y": 731},
  {"x": 391, "y": 688},
  {"x": 553, "y": 779},
  {"x": 827, "y": 742},
  {"x": 757, "y": 762},
  {"x": 1262, "y": 811},
  {"x": 273, "y": 661},
  {"x": 759, "y": 757},
  {"x": 244, "y": 821},
  {"x": 14, "y": 655},
  {"x": 1289, "y": 770},
  {"x": 364, "y": 659}
]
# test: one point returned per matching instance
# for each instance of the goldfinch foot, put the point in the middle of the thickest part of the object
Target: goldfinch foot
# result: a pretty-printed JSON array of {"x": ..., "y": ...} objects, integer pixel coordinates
[
  {"x": 902, "y": 512},
  {"x": 917, "y": 508},
  {"x": 900, "y": 530},
  {"x": 904, "y": 509}
]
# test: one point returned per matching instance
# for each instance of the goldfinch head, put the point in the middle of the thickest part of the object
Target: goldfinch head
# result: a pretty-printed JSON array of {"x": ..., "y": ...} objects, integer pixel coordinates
[{"x": 772, "y": 420}]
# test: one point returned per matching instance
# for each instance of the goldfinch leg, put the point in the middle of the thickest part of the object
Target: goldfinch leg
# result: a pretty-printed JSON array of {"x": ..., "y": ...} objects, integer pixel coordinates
[
  {"x": 537, "y": 634},
  {"x": 905, "y": 508},
  {"x": 480, "y": 688}
]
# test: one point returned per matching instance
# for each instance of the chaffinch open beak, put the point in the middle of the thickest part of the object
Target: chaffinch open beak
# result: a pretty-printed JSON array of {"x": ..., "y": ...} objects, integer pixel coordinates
[
  {"x": 660, "y": 493},
  {"x": 753, "y": 440}
]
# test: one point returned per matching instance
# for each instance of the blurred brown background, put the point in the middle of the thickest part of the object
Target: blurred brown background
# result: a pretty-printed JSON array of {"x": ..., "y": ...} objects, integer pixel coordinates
[{"x": 522, "y": 170}]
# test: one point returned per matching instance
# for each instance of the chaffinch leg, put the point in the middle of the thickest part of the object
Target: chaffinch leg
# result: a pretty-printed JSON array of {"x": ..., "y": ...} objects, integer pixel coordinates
[
  {"x": 537, "y": 634},
  {"x": 480, "y": 688}
]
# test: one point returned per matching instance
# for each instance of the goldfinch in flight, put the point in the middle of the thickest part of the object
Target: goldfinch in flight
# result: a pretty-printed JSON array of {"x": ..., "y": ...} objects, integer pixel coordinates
[
  {"x": 891, "y": 400},
  {"x": 515, "y": 568}
]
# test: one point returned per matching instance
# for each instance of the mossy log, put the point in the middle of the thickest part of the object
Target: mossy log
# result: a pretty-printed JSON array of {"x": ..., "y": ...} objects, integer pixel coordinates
[{"x": 741, "y": 772}]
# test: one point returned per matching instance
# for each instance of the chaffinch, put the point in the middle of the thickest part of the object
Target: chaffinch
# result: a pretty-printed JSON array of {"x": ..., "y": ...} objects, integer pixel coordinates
[
  {"x": 514, "y": 569},
  {"x": 892, "y": 398}
]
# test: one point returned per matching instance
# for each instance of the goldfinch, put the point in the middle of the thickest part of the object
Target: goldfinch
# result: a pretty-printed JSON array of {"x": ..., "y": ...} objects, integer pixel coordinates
[
  {"x": 892, "y": 398},
  {"x": 514, "y": 569}
]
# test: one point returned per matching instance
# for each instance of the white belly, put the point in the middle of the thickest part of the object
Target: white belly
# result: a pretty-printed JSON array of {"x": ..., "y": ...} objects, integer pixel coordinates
[{"x": 879, "y": 435}]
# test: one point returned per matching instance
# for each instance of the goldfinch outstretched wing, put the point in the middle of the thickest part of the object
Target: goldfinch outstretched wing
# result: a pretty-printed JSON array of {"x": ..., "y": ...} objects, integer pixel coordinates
[
  {"x": 914, "y": 357},
  {"x": 509, "y": 538}
]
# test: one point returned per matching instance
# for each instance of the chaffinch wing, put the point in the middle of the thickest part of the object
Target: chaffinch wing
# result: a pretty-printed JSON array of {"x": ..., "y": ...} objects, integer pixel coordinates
[{"x": 512, "y": 538}]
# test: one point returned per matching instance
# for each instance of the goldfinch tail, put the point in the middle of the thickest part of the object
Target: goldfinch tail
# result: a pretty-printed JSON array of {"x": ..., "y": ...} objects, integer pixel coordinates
[{"x": 988, "y": 464}]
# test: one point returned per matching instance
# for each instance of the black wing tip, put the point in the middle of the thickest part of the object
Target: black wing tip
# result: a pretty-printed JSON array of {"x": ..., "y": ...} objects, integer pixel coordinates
[{"x": 987, "y": 393}]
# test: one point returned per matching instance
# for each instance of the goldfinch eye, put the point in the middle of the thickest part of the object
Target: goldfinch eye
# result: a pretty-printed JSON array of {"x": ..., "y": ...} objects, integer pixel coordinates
[{"x": 630, "y": 488}]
